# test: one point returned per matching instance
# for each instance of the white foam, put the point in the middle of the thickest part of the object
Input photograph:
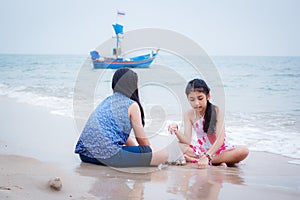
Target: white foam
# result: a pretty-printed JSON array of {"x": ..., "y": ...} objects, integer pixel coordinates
[
  {"x": 274, "y": 134},
  {"x": 56, "y": 105},
  {"x": 64, "y": 113},
  {"x": 7, "y": 90},
  {"x": 294, "y": 162},
  {"x": 273, "y": 141}
]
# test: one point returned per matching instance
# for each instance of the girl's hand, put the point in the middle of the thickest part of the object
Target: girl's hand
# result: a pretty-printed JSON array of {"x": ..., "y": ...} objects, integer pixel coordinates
[
  {"x": 173, "y": 129},
  {"x": 203, "y": 162}
]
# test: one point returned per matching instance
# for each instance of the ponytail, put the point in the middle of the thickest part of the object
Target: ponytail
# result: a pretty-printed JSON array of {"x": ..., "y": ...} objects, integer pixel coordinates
[
  {"x": 210, "y": 119},
  {"x": 135, "y": 97}
]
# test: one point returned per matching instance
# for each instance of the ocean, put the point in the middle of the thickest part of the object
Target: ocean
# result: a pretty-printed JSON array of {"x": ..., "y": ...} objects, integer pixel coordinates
[{"x": 262, "y": 94}]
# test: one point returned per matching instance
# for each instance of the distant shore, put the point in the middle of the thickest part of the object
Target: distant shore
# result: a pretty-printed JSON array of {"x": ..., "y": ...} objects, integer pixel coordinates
[{"x": 36, "y": 146}]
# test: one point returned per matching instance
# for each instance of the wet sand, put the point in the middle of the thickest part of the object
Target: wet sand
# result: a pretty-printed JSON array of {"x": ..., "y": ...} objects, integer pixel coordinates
[
  {"x": 257, "y": 178},
  {"x": 36, "y": 146},
  {"x": 27, "y": 178}
]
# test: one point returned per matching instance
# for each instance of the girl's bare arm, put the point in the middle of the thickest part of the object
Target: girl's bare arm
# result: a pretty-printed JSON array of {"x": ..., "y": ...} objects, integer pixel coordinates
[
  {"x": 130, "y": 142},
  {"x": 136, "y": 123},
  {"x": 185, "y": 138}
]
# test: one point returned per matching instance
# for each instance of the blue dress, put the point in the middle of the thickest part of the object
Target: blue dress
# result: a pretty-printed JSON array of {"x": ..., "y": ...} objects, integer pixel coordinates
[{"x": 107, "y": 128}]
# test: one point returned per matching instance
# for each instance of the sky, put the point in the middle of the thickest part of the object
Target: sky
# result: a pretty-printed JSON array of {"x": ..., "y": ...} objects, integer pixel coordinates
[{"x": 220, "y": 27}]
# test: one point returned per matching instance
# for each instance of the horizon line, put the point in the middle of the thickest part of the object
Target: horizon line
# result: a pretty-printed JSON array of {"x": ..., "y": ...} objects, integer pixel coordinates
[{"x": 77, "y": 54}]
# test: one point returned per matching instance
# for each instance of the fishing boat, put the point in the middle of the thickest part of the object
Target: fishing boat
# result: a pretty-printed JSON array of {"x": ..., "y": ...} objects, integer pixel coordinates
[{"x": 141, "y": 61}]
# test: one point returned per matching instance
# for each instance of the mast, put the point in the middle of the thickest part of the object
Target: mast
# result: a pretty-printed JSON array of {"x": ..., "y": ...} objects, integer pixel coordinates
[
  {"x": 118, "y": 31},
  {"x": 117, "y": 46}
]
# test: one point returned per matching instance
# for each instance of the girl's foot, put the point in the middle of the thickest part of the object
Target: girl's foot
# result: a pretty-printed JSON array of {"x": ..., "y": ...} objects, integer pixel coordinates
[
  {"x": 190, "y": 159},
  {"x": 223, "y": 165},
  {"x": 181, "y": 162}
]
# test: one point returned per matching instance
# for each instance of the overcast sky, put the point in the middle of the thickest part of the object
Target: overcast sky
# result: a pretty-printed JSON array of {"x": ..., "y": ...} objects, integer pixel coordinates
[{"x": 220, "y": 27}]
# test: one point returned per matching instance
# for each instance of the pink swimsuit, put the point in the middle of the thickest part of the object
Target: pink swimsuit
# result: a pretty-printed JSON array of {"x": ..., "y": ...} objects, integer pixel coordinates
[{"x": 204, "y": 141}]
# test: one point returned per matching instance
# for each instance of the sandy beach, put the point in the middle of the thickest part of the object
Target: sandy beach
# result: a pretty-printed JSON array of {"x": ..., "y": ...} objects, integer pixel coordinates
[
  {"x": 36, "y": 146},
  {"x": 247, "y": 52}
]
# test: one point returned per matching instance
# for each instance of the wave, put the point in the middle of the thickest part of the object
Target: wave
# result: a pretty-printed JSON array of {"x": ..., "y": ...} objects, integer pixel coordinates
[
  {"x": 56, "y": 105},
  {"x": 294, "y": 75}
]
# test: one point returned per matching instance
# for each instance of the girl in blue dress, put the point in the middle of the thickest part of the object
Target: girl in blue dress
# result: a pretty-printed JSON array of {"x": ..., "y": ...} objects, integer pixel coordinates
[{"x": 105, "y": 138}]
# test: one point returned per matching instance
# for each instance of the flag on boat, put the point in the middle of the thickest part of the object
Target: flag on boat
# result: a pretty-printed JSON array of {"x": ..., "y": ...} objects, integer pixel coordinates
[
  {"x": 118, "y": 28},
  {"x": 120, "y": 13}
]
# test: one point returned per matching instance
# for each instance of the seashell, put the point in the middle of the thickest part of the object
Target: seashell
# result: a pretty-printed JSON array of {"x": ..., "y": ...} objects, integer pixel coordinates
[{"x": 55, "y": 183}]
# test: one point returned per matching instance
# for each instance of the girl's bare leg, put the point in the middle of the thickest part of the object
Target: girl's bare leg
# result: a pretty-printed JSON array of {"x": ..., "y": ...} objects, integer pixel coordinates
[
  {"x": 232, "y": 156},
  {"x": 188, "y": 152},
  {"x": 158, "y": 156}
]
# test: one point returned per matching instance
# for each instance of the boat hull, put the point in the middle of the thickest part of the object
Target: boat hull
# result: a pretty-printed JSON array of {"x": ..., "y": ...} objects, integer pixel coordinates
[{"x": 137, "y": 62}]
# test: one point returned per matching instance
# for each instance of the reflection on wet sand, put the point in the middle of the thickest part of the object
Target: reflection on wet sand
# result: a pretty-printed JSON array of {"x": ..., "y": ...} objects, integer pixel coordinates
[{"x": 172, "y": 182}]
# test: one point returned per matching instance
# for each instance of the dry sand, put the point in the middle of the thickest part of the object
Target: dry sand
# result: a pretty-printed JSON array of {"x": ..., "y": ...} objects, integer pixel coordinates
[{"x": 36, "y": 146}]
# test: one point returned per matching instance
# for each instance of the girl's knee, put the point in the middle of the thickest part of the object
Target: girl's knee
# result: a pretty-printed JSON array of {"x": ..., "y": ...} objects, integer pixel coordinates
[
  {"x": 186, "y": 149},
  {"x": 242, "y": 152},
  {"x": 159, "y": 157}
]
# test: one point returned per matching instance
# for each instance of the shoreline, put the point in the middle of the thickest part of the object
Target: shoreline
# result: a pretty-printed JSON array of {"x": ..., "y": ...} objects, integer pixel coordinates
[
  {"x": 56, "y": 125},
  {"x": 36, "y": 146},
  {"x": 32, "y": 131}
]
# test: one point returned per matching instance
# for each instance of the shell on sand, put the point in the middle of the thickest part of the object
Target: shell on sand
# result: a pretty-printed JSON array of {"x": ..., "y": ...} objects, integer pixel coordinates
[{"x": 55, "y": 183}]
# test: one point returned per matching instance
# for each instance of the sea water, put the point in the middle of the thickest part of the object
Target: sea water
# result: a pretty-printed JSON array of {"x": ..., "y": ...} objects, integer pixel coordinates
[{"x": 262, "y": 94}]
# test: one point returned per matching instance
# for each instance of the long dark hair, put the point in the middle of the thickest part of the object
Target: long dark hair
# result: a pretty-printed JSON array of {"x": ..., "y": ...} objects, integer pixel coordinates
[
  {"x": 125, "y": 82},
  {"x": 210, "y": 112}
]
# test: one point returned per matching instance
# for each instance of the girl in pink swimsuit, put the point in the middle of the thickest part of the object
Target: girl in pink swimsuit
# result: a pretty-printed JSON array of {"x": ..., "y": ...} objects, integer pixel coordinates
[{"x": 207, "y": 121}]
